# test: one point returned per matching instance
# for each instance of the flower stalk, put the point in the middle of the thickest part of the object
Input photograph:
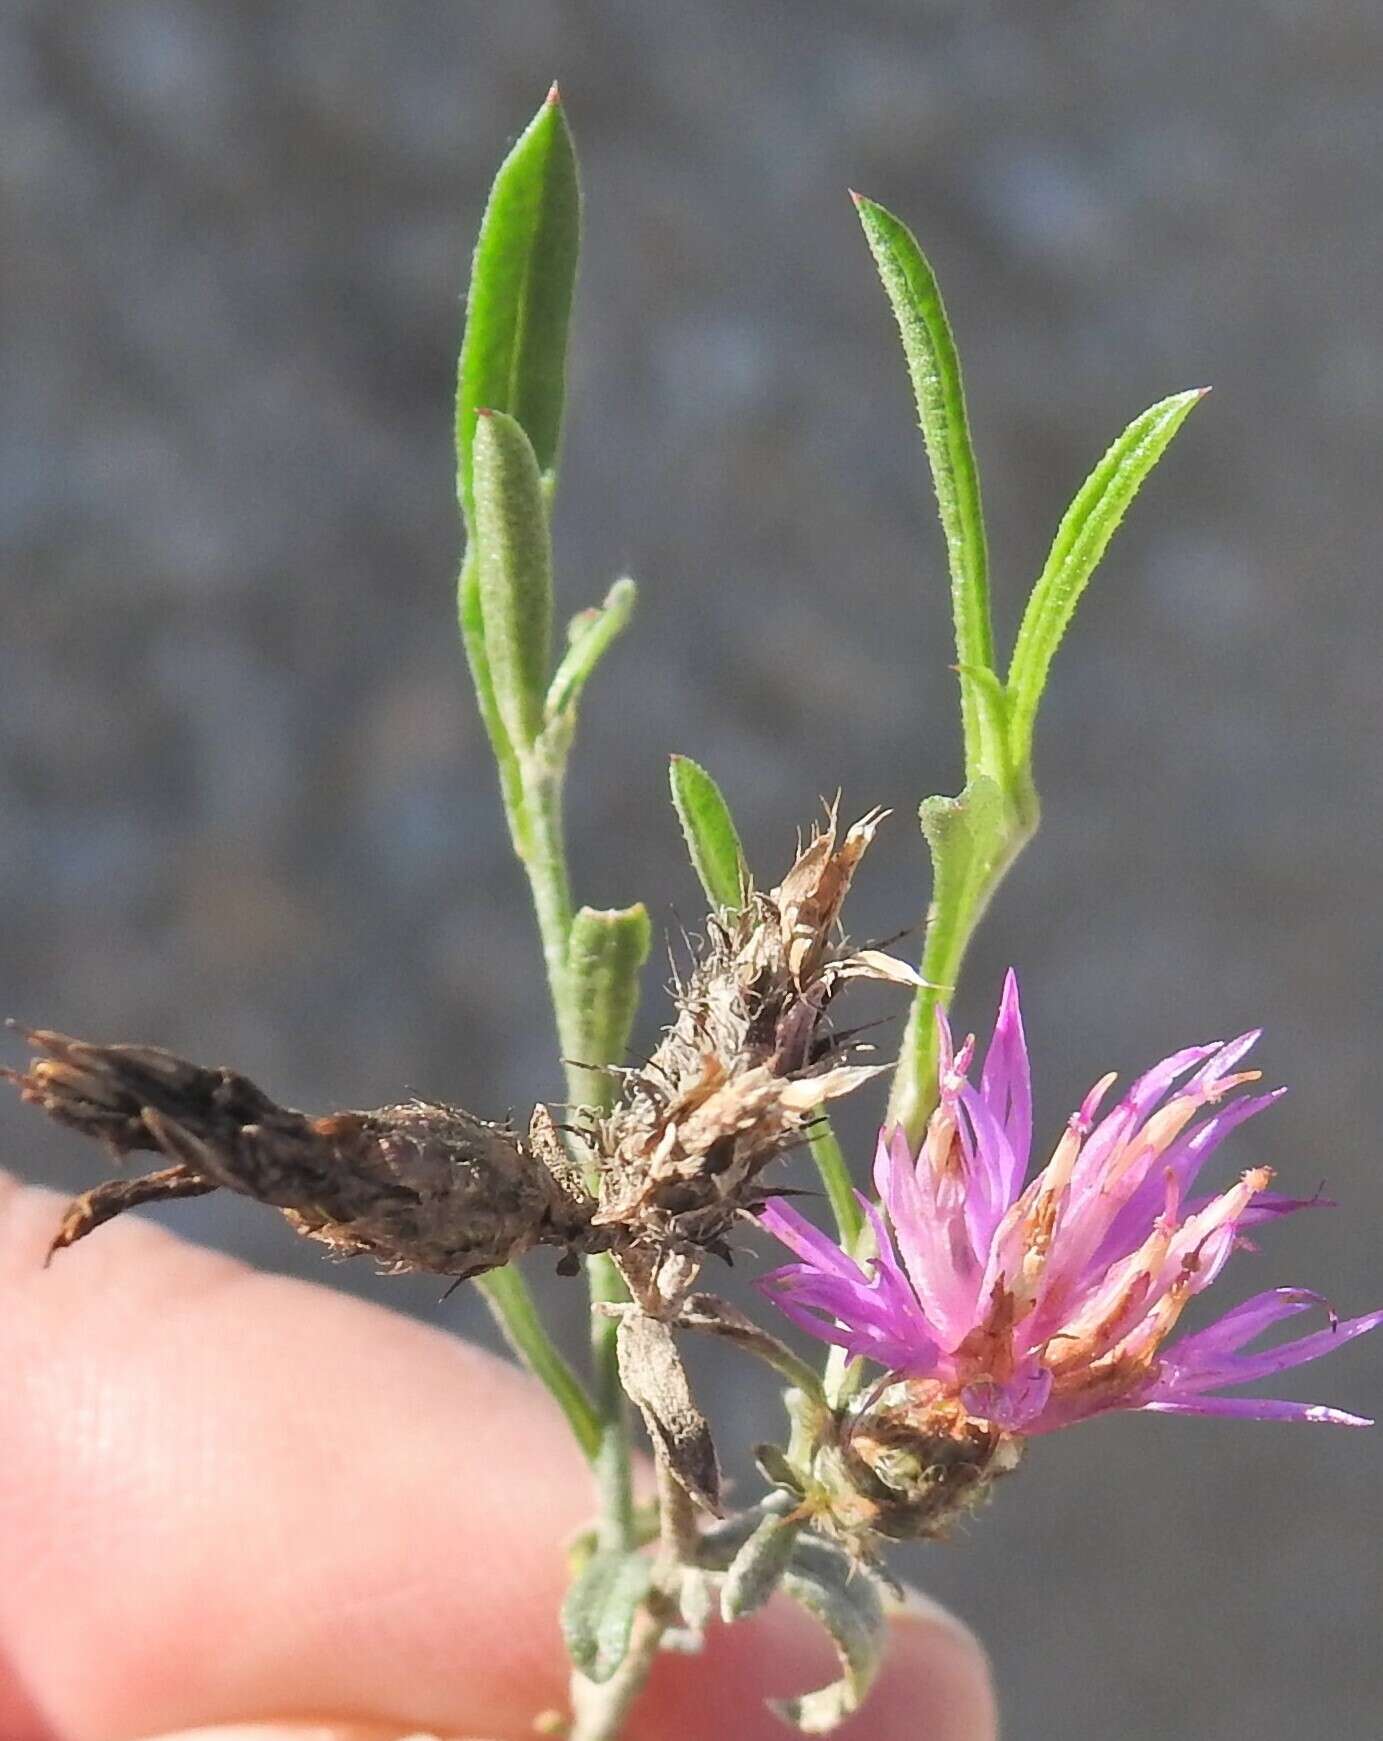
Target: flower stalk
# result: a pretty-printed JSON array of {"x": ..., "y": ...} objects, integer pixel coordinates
[{"x": 510, "y": 392}]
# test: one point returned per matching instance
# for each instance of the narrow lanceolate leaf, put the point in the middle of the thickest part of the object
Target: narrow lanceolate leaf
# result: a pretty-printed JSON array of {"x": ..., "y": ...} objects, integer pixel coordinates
[
  {"x": 513, "y": 355},
  {"x": 589, "y": 636},
  {"x": 758, "y": 1568},
  {"x": 712, "y": 839},
  {"x": 932, "y": 362},
  {"x": 605, "y": 953},
  {"x": 514, "y": 559},
  {"x": 472, "y": 622},
  {"x": 599, "y": 1611},
  {"x": 1081, "y": 540},
  {"x": 846, "y": 1600}
]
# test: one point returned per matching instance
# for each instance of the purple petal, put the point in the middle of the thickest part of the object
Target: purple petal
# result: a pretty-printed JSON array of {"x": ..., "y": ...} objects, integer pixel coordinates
[
  {"x": 1210, "y": 1371},
  {"x": 1241, "y": 1325},
  {"x": 1189, "y": 1153},
  {"x": 853, "y": 1317},
  {"x": 1256, "y": 1408},
  {"x": 1006, "y": 1082},
  {"x": 803, "y": 1316},
  {"x": 831, "y": 1296},
  {"x": 890, "y": 1280},
  {"x": 1118, "y": 1125},
  {"x": 792, "y": 1229},
  {"x": 1223, "y": 1061},
  {"x": 1184, "y": 1159},
  {"x": 932, "y": 1238},
  {"x": 1269, "y": 1205},
  {"x": 808, "y": 1290},
  {"x": 1153, "y": 1084},
  {"x": 1013, "y": 1406},
  {"x": 945, "y": 1045},
  {"x": 993, "y": 1173}
]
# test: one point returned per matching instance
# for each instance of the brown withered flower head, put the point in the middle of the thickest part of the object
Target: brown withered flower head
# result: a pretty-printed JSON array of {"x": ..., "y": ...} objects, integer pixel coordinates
[
  {"x": 749, "y": 1060},
  {"x": 416, "y": 1187}
]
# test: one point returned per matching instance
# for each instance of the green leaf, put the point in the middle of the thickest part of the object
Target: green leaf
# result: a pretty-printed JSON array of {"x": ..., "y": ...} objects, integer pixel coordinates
[
  {"x": 605, "y": 952},
  {"x": 845, "y": 1598},
  {"x": 589, "y": 637},
  {"x": 712, "y": 839},
  {"x": 472, "y": 623},
  {"x": 513, "y": 355},
  {"x": 759, "y": 1567},
  {"x": 599, "y": 1610},
  {"x": 932, "y": 362},
  {"x": 718, "y": 858},
  {"x": 514, "y": 556},
  {"x": 776, "y": 1466},
  {"x": 1081, "y": 540},
  {"x": 958, "y": 831}
]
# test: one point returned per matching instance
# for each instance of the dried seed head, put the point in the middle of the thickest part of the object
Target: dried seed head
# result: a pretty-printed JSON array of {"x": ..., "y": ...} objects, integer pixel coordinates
[
  {"x": 748, "y": 1061},
  {"x": 416, "y": 1187}
]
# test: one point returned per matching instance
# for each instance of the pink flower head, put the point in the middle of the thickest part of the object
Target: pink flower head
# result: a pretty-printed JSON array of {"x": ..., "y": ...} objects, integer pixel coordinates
[{"x": 1030, "y": 1306}]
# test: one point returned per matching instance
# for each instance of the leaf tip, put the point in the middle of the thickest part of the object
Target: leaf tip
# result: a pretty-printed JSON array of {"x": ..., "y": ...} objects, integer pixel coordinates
[
  {"x": 553, "y": 99},
  {"x": 484, "y": 411}
]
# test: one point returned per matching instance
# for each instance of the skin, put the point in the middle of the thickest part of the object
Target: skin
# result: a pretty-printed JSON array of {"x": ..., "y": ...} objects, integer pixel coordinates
[{"x": 240, "y": 1506}]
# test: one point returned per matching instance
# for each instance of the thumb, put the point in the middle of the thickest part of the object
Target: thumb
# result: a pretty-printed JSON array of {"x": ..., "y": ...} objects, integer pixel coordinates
[
  {"x": 936, "y": 1683},
  {"x": 935, "y": 1686}
]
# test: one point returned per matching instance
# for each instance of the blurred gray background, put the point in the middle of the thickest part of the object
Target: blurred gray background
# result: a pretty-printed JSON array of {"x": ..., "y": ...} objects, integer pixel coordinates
[{"x": 246, "y": 809}]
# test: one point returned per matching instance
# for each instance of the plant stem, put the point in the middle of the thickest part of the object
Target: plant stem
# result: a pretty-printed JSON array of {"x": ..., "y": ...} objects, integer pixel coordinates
[
  {"x": 599, "y": 1710},
  {"x": 836, "y": 1181},
  {"x": 534, "y": 806},
  {"x": 542, "y": 850},
  {"x": 513, "y": 1309},
  {"x": 538, "y": 839},
  {"x": 957, "y": 908},
  {"x": 613, "y": 1472}
]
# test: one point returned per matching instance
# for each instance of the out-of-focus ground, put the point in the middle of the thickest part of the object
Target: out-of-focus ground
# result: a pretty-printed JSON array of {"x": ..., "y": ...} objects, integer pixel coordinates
[{"x": 245, "y": 805}]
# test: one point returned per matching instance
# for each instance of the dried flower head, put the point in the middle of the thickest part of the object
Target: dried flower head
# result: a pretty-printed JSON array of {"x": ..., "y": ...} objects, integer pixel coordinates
[
  {"x": 749, "y": 1060},
  {"x": 417, "y": 1187},
  {"x": 1002, "y": 1309}
]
